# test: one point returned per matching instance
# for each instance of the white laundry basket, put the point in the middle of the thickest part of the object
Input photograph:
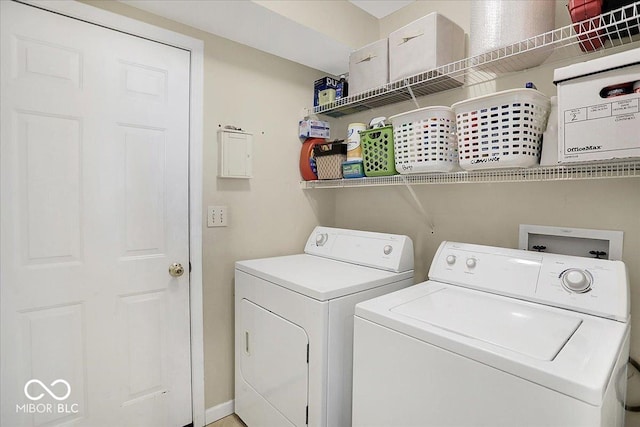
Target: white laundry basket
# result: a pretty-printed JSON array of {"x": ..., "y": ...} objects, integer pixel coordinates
[
  {"x": 501, "y": 130},
  {"x": 425, "y": 140}
]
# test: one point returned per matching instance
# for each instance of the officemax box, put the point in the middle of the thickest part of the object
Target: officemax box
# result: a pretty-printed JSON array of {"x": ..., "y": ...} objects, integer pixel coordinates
[{"x": 599, "y": 109}]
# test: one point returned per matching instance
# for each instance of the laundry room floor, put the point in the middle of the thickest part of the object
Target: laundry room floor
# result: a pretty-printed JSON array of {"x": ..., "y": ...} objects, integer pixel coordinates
[{"x": 230, "y": 421}]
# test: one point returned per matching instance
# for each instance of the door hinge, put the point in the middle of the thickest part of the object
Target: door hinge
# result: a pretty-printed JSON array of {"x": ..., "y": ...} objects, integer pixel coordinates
[
  {"x": 307, "y": 353},
  {"x": 306, "y": 420},
  {"x": 189, "y": 266}
]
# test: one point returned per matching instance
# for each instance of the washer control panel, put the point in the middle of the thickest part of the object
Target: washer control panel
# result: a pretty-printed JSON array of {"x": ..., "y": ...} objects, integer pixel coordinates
[
  {"x": 588, "y": 285},
  {"x": 390, "y": 252}
]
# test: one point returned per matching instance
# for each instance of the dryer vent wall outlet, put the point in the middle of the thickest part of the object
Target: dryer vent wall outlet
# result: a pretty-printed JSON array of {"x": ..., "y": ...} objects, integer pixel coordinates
[{"x": 217, "y": 216}]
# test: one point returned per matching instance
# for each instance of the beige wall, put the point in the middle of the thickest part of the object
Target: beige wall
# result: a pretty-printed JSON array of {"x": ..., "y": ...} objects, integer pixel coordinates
[
  {"x": 343, "y": 21},
  {"x": 491, "y": 213},
  {"x": 270, "y": 215}
]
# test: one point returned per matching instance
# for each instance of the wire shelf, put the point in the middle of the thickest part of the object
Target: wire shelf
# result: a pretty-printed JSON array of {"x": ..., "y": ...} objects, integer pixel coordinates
[
  {"x": 615, "y": 28},
  {"x": 630, "y": 169}
]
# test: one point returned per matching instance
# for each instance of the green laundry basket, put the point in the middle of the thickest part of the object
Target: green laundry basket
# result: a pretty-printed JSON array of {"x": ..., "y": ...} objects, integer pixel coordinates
[{"x": 377, "y": 151}]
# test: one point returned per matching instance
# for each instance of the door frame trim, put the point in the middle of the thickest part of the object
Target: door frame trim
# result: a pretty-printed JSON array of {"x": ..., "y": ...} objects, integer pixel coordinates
[{"x": 122, "y": 23}]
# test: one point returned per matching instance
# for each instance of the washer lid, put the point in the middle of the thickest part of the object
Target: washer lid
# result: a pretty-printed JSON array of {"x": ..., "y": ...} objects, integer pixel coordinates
[
  {"x": 317, "y": 277},
  {"x": 496, "y": 334},
  {"x": 509, "y": 324}
]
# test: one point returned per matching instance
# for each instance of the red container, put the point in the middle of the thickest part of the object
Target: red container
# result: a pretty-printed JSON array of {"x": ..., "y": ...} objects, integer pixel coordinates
[
  {"x": 308, "y": 169},
  {"x": 583, "y": 10}
]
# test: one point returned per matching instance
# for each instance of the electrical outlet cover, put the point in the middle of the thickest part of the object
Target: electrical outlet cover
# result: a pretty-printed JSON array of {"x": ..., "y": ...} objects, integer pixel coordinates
[{"x": 217, "y": 216}]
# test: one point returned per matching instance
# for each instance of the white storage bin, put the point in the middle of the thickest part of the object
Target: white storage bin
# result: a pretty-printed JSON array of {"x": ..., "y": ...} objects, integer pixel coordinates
[
  {"x": 369, "y": 67},
  {"x": 501, "y": 130},
  {"x": 597, "y": 109},
  {"x": 423, "y": 45},
  {"x": 425, "y": 140}
]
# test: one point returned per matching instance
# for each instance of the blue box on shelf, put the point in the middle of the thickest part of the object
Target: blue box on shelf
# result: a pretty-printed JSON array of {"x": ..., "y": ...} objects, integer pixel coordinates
[
  {"x": 339, "y": 85},
  {"x": 353, "y": 169}
]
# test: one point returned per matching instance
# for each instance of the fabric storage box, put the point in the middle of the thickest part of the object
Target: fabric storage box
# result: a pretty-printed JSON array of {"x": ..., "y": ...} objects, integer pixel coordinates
[
  {"x": 377, "y": 151},
  {"x": 598, "y": 110},
  {"x": 423, "y": 45},
  {"x": 369, "y": 67},
  {"x": 501, "y": 130},
  {"x": 329, "y": 159},
  {"x": 424, "y": 140}
]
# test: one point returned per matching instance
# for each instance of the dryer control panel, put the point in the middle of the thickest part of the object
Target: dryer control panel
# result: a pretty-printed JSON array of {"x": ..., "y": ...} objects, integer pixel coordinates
[
  {"x": 390, "y": 252},
  {"x": 594, "y": 286}
]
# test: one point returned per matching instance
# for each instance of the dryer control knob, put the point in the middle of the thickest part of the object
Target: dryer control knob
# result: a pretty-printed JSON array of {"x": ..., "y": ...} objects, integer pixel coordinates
[
  {"x": 387, "y": 249},
  {"x": 576, "y": 280},
  {"x": 471, "y": 262},
  {"x": 451, "y": 259},
  {"x": 321, "y": 239}
]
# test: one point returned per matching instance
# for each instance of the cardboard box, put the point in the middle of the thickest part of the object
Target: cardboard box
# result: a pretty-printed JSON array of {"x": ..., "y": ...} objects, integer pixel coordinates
[
  {"x": 323, "y": 85},
  {"x": 313, "y": 129},
  {"x": 598, "y": 112},
  {"x": 326, "y": 96},
  {"x": 424, "y": 44},
  {"x": 369, "y": 66}
]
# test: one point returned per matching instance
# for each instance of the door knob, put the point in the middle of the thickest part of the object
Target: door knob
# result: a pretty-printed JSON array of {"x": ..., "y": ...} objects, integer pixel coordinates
[{"x": 176, "y": 269}]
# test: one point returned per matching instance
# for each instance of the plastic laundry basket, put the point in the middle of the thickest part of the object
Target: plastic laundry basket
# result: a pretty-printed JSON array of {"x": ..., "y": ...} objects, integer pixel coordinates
[
  {"x": 424, "y": 140},
  {"x": 501, "y": 130},
  {"x": 377, "y": 151}
]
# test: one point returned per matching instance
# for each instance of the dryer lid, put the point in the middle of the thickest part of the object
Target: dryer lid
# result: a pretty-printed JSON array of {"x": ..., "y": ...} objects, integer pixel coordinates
[
  {"x": 509, "y": 324},
  {"x": 317, "y": 277}
]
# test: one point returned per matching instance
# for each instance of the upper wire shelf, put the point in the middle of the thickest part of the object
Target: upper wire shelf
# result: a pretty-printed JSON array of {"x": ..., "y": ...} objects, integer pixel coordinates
[{"x": 614, "y": 28}]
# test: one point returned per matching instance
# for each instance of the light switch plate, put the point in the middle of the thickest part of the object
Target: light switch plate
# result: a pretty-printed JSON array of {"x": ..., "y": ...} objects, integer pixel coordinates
[{"x": 217, "y": 216}]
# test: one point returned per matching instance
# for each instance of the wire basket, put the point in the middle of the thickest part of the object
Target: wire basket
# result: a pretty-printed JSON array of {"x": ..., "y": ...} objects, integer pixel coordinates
[
  {"x": 377, "y": 151},
  {"x": 424, "y": 140},
  {"x": 501, "y": 130}
]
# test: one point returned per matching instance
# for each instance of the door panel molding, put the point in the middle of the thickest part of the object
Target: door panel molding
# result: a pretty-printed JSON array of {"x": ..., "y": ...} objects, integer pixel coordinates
[{"x": 196, "y": 48}]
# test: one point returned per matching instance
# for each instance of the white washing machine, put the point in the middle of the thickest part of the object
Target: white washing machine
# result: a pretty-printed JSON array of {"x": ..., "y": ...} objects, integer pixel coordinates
[
  {"x": 294, "y": 324},
  {"x": 496, "y": 337}
]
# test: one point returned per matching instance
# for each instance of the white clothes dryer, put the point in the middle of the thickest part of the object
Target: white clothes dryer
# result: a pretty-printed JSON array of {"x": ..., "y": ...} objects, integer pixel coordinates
[
  {"x": 294, "y": 324},
  {"x": 496, "y": 337}
]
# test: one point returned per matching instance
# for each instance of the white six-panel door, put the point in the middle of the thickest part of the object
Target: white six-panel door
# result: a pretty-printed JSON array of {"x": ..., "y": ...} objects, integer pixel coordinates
[{"x": 94, "y": 209}]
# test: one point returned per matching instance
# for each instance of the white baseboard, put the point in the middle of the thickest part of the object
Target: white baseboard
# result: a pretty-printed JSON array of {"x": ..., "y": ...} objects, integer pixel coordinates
[{"x": 218, "y": 412}]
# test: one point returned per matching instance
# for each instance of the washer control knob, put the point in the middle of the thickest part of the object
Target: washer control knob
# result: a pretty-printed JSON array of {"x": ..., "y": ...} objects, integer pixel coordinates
[
  {"x": 321, "y": 239},
  {"x": 451, "y": 259},
  {"x": 387, "y": 249},
  {"x": 576, "y": 280},
  {"x": 471, "y": 262}
]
